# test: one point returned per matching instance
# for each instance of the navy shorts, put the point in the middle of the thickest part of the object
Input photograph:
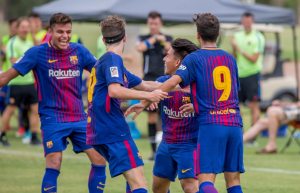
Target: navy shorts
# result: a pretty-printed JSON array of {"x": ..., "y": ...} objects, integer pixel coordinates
[
  {"x": 121, "y": 156},
  {"x": 172, "y": 159},
  {"x": 219, "y": 149},
  {"x": 55, "y": 136}
]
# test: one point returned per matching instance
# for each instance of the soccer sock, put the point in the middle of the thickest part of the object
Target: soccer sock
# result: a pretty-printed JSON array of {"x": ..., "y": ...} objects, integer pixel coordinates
[
  {"x": 49, "y": 183},
  {"x": 128, "y": 190},
  {"x": 152, "y": 133},
  {"x": 97, "y": 179},
  {"x": 235, "y": 189},
  {"x": 140, "y": 190},
  {"x": 33, "y": 135},
  {"x": 207, "y": 187},
  {"x": 2, "y": 134},
  {"x": 25, "y": 119},
  {"x": 169, "y": 191}
]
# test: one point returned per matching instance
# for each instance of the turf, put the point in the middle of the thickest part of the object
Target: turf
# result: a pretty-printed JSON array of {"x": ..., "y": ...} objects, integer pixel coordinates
[{"x": 22, "y": 168}]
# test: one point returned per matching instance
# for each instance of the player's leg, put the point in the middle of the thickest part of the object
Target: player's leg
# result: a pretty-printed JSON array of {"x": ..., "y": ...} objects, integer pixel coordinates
[
  {"x": 54, "y": 141},
  {"x": 160, "y": 185},
  {"x": 135, "y": 178},
  {"x": 8, "y": 112},
  {"x": 256, "y": 129},
  {"x": 34, "y": 124},
  {"x": 185, "y": 157},
  {"x": 97, "y": 178},
  {"x": 152, "y": 119},
  {"x": 233, "y": 164},
  {"x": 255, "y": 111},
  {"x": 164, "y": 169}
]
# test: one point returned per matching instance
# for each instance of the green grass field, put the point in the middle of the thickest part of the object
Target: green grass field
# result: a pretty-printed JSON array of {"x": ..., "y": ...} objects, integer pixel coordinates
[{"x": 22, "y": 168}]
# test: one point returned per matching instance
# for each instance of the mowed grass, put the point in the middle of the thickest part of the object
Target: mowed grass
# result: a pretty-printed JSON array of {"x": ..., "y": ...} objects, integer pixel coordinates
[{"x": 22, "y": 168}]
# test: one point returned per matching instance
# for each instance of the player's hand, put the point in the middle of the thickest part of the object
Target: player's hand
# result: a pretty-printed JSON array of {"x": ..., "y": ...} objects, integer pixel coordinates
[
  {"x": 187, "y": 108},
  {"x": 276, "y": 102},
  {"x": 161, "y": 38},
  {"x": 153, "y": 106},
  {"x": 137, "y": 108},
  {"x": 156, "y": 95}
]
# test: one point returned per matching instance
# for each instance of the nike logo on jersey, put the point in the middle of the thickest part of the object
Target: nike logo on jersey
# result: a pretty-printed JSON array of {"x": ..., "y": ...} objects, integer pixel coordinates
[
  {"x": 51, "y": 61},
  {"x": 45, "y": 189},
  {"x": 183, "y": 171}
]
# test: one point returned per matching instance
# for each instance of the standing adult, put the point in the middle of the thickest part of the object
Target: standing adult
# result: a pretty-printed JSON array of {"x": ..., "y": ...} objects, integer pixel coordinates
[
  {"x": 248, "y": 49},
  {"x": 154, "y": 47}
]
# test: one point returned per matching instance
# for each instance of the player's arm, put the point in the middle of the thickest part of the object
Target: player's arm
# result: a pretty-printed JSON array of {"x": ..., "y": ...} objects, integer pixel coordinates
[
  {"x": 115, "y": 90},
  {"x": 7, "y": 76},
  {"x": 3, "y": 53},
  {"x": 144, "y": 45},
  {"x": 251, "y": 57},
  {"x": 152, "y": 85}
]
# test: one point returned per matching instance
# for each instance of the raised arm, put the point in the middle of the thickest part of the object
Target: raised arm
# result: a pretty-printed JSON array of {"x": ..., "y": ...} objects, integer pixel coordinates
[{"x": 7, "y": 76}]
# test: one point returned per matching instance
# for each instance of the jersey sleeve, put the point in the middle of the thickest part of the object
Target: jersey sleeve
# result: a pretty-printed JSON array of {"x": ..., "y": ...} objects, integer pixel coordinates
[
  {"x": 132, "y": 79},
  {"x": 114, "y": 70},
  {"x": 27, "y": 62},
  {"x": 11, "y": 50},
  {"x": 89, "y": 59},
  {"x": 160, "y": 79},
  {"x": 186, "y": 71}
]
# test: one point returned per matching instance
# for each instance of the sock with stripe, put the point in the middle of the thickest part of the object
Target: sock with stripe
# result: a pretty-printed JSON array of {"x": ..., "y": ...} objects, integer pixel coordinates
[
  {"x": 235, "y": 189},
  {"x": 207, "y": 187},
  {"x": 140, "y": 190},
  {"x": 49, "y": 183},
  {"x": 97, "y": 179},
  {"x": 128, "y": 190},
  {"x": 152, "y": 133}
]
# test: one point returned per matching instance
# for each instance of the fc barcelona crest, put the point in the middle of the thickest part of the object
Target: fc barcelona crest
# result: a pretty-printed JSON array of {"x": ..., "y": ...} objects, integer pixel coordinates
[
  {"x": 49, "y": 144},
  {"x": 73, "y": 60}
]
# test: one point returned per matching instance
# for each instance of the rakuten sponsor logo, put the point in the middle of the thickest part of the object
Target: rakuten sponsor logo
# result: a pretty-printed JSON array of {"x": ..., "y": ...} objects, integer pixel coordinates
[
  {"x": 176, "y": 114},
  {"x": 62, "y": 74}
]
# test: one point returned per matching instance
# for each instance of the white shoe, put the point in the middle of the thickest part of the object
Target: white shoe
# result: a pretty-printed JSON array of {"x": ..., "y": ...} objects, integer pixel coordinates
[
  {"x": 158, "y": 136},
  {"x": 27, "y": 138}
]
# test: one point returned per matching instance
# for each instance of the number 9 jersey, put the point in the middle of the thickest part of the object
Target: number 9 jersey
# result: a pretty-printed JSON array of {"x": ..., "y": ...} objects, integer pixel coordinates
[{"x": 215, "y": 96}]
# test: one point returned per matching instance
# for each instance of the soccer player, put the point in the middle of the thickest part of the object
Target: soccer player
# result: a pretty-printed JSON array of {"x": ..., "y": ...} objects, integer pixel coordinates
[
  {"x": 58, "y": 67},
  {"x": 108, "y": 131},
  {"x": 213, "y": 76},
  {"x": 176, "y": 153}
]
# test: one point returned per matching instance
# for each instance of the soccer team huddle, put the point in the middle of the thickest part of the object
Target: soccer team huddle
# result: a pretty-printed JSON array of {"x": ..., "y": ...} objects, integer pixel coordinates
[{"x": 202, "y": 126}]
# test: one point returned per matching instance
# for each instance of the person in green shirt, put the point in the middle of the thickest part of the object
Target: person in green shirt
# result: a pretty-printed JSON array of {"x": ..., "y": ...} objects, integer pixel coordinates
[
  {"x": 22, "y": 89},
  {"x": 12, "y": 26},
  {"x": 248, "y": 49},
  {"x": 101, "y": 48}
]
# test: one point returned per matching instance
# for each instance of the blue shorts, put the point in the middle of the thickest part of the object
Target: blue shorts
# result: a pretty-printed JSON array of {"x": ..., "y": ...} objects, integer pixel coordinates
[
  {"x": 172, "y": 159},
  {"x": 55, "y": 136},
  {"x": 121, "y": 156},
  {"x": 219, "y": 149}
]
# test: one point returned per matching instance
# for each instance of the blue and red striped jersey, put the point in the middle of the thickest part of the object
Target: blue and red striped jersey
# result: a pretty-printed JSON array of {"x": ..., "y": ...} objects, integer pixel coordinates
[
  {"x": 213, "y": 76},
  {"x": 58, "y": 75},
  {"x": 106, "y": 122},
  {"x": 177, "y": 128}
]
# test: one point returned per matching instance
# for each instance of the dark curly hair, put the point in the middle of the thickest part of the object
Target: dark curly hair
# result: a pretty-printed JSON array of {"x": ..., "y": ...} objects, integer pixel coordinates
[
  {"x": 59, "y": 18},
  {"x": 183, "y": 47},
  {"x": 208, "y": 26}
]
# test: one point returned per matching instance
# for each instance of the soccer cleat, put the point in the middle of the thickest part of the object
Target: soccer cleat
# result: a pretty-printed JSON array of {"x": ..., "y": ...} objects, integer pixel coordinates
[
  {"x": 35, "y": 142},
  {"x": 21, "y": 132},
  {"x": 251, "y": 144},
  {"x": 27, "y": 138},
  {"x": 4, "y": 142},
  {"x": 152, "y": 157}
]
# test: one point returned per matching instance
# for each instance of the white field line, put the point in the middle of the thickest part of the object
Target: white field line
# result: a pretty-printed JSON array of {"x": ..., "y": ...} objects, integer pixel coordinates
[{"x": 81, "y": 158}]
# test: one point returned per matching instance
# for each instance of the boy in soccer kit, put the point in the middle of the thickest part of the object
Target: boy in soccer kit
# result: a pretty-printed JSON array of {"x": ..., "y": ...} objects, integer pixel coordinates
[
  {"x": 176, "y": 153},
  {"x": 58, "y": 67},
  {"x": 213, "y": 76},
  {"x": 108, "y": 131}
]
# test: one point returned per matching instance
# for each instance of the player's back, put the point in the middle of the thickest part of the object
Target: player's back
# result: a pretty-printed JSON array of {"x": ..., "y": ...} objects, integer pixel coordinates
[{"x": 215, "y": 87}]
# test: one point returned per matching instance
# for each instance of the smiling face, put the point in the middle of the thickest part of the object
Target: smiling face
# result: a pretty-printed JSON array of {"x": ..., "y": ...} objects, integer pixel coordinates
[
  {"x": 61, "y": 35},
  {"x": 172, "y": 63}
]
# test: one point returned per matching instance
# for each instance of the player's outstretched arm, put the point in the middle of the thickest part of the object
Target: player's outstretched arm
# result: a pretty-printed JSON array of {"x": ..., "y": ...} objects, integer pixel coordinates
[
  {"x": 170, "y": 84},
  {"x": 137, "y": 108},
  {"x": 6, "y": 76},
  {"x": 152, "y": 85},
  {"x": 115, "y": 90}
]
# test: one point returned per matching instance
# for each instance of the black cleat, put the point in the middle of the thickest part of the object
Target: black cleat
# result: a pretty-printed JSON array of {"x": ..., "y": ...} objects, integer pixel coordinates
[
  {"x": 4, "y": 142},
  {"x": 35, "y": 142},
  {"x": 152, "y": 157}
]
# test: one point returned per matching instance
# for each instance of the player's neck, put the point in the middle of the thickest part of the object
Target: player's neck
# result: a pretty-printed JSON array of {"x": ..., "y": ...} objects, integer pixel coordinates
[
  {"x": 248, "y": 30},
  {"x": 115, "y": 49},
  {"x": 208, "y": 44},
  {"x": 22, "y": 38}
]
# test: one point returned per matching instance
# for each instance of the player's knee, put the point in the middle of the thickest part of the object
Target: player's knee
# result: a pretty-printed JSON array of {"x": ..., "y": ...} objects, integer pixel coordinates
[
  {"x": 99, "y": 160},
  {"x": 272, "y": 111},
  {"x": 156, "y": 188},
  {"x": 53, "y": 161},
  {"x": 190, "y": 187}
]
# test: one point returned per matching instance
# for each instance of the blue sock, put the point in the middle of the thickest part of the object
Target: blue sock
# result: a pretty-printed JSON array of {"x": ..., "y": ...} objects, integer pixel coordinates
[
  {"x": 235, "y": 189},
  {"x": 97, "y": 179},
  {"x": 49, "y": 183},
  {"x": 207, "y": 187},
  {"x": 128, "y": 190},
  {"x": 169, "y": 191},
  {"x": 140, "y": 190}
]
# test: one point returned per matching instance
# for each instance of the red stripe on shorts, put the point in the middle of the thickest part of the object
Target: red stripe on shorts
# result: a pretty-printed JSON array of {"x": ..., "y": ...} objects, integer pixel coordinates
[
  {"x": 130, "y": 154},
  {"x": 198, "y": 158}
]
